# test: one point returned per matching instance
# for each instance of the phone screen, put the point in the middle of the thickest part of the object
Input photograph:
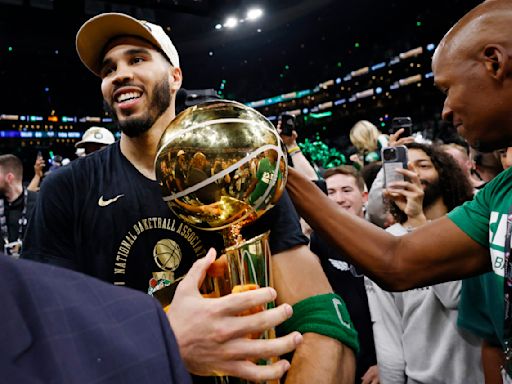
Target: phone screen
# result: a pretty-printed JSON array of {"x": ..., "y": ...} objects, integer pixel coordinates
[{"x": 390, "y": 174}]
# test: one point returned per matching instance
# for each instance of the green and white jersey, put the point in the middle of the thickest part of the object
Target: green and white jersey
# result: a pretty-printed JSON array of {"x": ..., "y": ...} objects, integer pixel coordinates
[{"x": 484, "y": 219}]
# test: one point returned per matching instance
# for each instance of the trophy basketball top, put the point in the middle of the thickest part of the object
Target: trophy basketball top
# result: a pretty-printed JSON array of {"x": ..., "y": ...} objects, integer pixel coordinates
[{"x": 220, "y": 163}]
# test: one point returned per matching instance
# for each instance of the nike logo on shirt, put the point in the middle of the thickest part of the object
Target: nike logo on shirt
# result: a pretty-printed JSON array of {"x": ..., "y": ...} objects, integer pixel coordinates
[{"x": 104, "y": 203}]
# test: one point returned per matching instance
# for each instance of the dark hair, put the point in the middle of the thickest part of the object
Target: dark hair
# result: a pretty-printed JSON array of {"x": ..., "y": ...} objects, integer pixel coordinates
[
  {"x": 12, "y": 164},
  {"x": 369, "y": 173},
  {"x": 453, "y": 183},
  {"x": 346, "y": 170}
]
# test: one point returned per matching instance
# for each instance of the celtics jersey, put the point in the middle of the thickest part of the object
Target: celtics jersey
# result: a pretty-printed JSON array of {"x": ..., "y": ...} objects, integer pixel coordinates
[
  {"x": 264, "y": 175},
  {"x": 484, "y": 219},
  {"x": 101, "y": 216}
]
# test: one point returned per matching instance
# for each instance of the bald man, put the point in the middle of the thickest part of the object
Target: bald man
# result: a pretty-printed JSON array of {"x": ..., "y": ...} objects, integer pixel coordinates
[{"x": 473, "y": 67}]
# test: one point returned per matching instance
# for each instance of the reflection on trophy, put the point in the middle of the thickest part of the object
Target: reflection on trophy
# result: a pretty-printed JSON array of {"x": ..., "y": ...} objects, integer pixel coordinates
[{"x": 221, "y": 165}]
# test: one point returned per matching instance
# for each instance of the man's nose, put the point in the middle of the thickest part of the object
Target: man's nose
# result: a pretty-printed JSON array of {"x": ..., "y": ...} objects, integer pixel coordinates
[
  {"x": 123, "y": 74},
  {"x": 447, "y": 113}
]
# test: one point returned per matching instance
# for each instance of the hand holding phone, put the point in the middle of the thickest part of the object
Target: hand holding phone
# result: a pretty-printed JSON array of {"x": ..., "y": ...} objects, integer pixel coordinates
[{"x": 393, "y": 158}]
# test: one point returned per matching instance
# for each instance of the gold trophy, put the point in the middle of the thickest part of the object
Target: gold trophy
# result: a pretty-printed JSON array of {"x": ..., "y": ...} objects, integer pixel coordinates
[{"x": 221, "y": 165}]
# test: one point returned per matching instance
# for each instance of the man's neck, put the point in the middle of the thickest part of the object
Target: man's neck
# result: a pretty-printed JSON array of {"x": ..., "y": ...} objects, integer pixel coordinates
[
  {"x": 13, "y": 192},
  {"x": 141, "y": 151},
  {"x": 436, "y": 210}
]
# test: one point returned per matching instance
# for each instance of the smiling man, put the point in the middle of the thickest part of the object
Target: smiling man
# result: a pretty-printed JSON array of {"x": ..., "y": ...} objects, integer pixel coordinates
[
  {"x": 473, "y": 66},
  {"x": 104, "y": 215}
]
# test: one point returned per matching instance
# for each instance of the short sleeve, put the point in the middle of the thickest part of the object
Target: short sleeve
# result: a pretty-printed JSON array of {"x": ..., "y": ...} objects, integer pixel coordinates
[{"x": 473, "y": 217}]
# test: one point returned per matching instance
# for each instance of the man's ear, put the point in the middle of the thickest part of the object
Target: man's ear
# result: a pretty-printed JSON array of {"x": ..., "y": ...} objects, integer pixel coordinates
[
  {"x": 365, "y": 196},
  {"x": 496, "y": 61},
  {"x": 9, "y": 177},
  {"x": 176, "y": 78}
]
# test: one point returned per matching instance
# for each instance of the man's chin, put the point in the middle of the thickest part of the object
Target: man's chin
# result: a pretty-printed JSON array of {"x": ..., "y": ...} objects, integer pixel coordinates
[{"x": 134, "y": 127}]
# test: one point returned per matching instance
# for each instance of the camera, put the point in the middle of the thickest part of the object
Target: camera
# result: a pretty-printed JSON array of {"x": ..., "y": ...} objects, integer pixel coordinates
[{"x": 389, "y": 154}]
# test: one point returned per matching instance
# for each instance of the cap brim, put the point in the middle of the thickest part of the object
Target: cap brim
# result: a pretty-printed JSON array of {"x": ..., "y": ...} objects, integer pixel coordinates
[{"x": 94, "y": 35}]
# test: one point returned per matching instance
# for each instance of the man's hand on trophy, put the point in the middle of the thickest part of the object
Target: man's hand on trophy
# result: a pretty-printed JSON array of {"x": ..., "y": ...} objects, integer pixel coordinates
[{"x": 212, "y": 336}]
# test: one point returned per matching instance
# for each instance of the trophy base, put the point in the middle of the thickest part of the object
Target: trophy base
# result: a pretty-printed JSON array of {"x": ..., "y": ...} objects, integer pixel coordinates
[{"x": 242, "y": 267}]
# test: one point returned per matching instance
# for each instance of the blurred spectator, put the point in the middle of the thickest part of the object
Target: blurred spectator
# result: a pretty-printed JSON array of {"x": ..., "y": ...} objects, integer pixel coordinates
[
  {"x": 461, "y": 156},
  {"x": 368, "y": 141},
  {"x": 416, "y": 337},
  {"x": 505, "y": 157},
  {"x": 94, "y": 139},
  {"x": 38, "y": 173},
  {"x": 369, "y": 173},
  {"x": 487, "y": 165},
  {"x": 16, "y": 204},
  {"x": 346, "y": 187}
]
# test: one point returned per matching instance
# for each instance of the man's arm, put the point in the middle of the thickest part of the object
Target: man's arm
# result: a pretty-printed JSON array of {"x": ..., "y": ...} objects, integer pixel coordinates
[
  {"x": 436, "y": 252},
  {"x": 492, "y": 361},
  {"x": 297, "y": 276},
  {"x": 38, "y": 175}
]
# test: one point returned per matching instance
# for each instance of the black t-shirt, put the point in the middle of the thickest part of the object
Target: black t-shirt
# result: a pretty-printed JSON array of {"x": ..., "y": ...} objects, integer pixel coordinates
[
  {"x": 13, "y": 213},
  {"x": 101, "y": 216},
  {"x": 348, "y": 282}
]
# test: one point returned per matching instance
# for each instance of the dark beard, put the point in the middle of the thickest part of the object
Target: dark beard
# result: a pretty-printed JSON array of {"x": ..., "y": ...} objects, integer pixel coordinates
[
  {"x": 432, "y": 192},
  {"x": 159, "y": 102}
]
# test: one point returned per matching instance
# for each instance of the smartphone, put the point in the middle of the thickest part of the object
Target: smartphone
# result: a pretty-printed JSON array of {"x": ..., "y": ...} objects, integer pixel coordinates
[
  {"x": 287, "y": 123},
  {"x": 393, "y": 158},
  {"x": 401, "y": 122}
]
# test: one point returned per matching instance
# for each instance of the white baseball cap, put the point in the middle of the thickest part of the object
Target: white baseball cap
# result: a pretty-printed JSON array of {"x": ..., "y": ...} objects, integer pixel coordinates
[
  {"x": 98, "y": 135},
  {"x": 98, "y": 31}
]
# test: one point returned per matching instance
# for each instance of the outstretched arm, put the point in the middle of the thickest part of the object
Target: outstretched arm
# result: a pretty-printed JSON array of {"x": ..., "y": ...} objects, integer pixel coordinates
[{"x": 436, "y": 252}]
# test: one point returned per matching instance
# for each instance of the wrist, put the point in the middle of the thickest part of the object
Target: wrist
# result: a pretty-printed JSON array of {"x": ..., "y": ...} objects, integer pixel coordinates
[
  {"x": 293, "y": 150},
  {"x": 416, "y": 221}
]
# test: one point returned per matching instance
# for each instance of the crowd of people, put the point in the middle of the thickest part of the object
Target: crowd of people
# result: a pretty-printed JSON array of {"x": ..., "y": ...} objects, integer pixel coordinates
[{"x": 374, "y": 281}]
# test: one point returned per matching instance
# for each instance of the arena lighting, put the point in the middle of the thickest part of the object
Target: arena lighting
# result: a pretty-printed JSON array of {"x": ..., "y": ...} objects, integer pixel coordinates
[
  {"x": 326, "y": 84},
  {"x": 429, "y": 75},
  {"x": 360, "y": 72},
  {"x": 254, "y": 14},
  {"x": 378, "y": 66},
  {"x": 394, "y": 60},
  {"x": 409, "y": 80},
  {"x": 320, "y": 115},
  {"x": 39, "y": 135},
  {"x": 326, "y": 105},
  {"x": 363, "y": 94},
  {"x": 340, "y": 101},
  {"x": 218, "y": 26},
  {"x": 431, "y": 47},
  {"x": 231, "y": 22},
  {"x": 9, "y": 117},
  {"x": 69, "y": 119},
  {"x": 378, "y": 90},
  {"x": 338, "y": 80},
  {"x": 411, "y": 53}
]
